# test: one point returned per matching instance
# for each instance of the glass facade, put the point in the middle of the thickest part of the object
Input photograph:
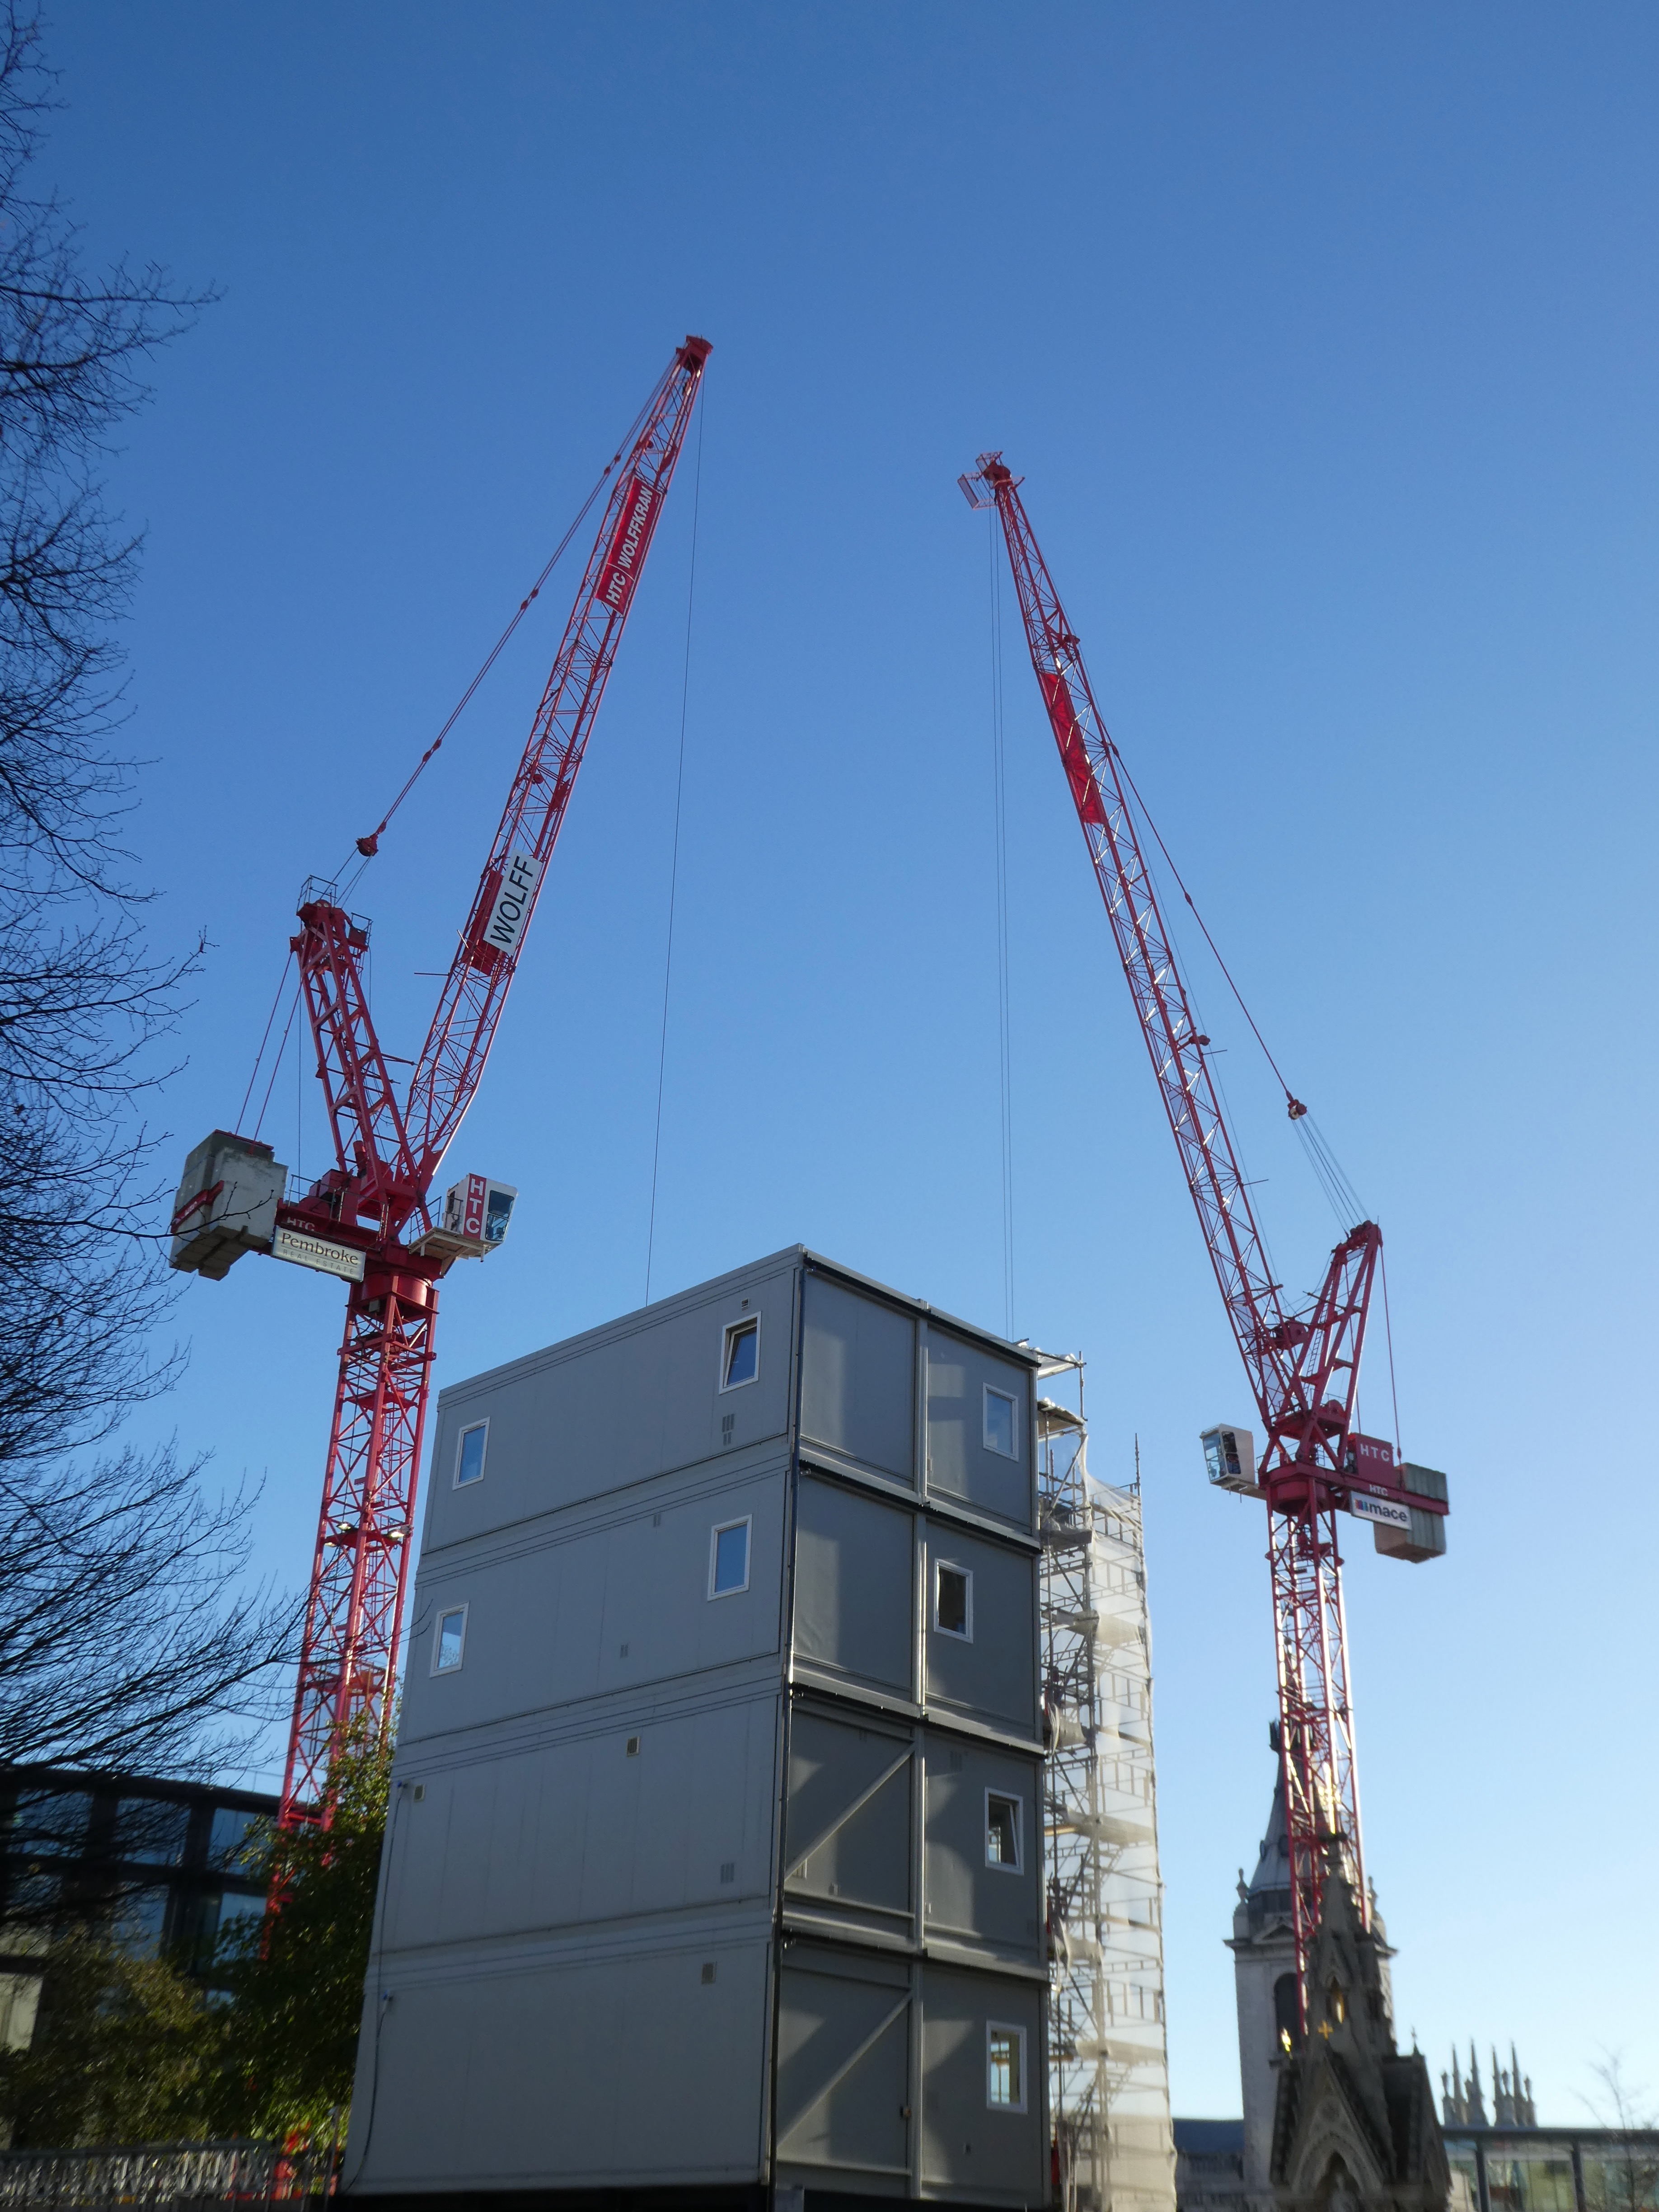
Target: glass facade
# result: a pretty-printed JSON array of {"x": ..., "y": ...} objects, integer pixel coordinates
[
  {"x": 1533, "y": 2169},
  {"x": 1531, "y": 2181},
  {"x": 155, "y": 1866}
]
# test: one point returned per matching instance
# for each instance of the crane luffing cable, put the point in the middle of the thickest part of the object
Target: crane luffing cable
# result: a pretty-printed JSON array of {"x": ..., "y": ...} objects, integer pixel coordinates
[
  {"x": 1339, "y": 1191},
  {"x": 259, "y": 1055},
  {"x": 674, "y": 863},
  {"x": 368, "y": 846}
]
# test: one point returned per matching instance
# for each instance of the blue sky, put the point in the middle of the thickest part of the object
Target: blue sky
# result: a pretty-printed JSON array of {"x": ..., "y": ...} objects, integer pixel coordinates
[{"x": 1325, "y": 340}]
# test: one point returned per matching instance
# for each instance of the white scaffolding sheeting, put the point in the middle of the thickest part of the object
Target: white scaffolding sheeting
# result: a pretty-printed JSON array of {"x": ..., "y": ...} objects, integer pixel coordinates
[{"x": 1109, "y": 2069}]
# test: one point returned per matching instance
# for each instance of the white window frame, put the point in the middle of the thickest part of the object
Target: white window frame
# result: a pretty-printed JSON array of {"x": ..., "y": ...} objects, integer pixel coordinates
[
  {"x": 460, "y": 1446},
  {"x": 733, "y": 1328},
  {"x": 746, "y": 1522},
  {"x": 997, "y": 2104},
  {"x": 960, "y": 1635},
  {"x": 1012, "y": 1399},
  {"x": 448, "y": 1612},
  {"x": 1004, "y": 1866}
]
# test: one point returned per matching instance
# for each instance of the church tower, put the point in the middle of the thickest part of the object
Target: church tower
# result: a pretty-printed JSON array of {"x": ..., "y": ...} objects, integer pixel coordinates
[
  {"x": 1264, "y": 1976},
  {"x": 1354, "y": 2124},
  {"x": 1348, "y": 2117}
]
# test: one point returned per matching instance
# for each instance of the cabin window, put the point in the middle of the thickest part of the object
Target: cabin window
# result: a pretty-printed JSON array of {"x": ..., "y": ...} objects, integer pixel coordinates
[
  {"x": 470, "y": 1454},
  {"x": 999, "y": 1433},
  {"x": 1002, "y": 1831},
  {"x": 728, "y": 1558},
  {"x": 450, "y": 1641},
  {"x": 953, "y": 1600},
  {"x": 740, "y": 1355},
  {"x": 1005, "y": 2068}
]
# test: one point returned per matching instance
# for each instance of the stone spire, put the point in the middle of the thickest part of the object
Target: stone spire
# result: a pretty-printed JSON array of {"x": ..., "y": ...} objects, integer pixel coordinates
[
  {"x": 1264, "y": 1974},
  {"x": 1453, "y": 2110},
  {"x": 1475, "y": 2103},
  {"x": 1354, "y": 2124}
]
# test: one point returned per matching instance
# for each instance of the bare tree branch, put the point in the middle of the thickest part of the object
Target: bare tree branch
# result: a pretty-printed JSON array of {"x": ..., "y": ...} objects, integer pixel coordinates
[{"x": 129, "y": 1637}]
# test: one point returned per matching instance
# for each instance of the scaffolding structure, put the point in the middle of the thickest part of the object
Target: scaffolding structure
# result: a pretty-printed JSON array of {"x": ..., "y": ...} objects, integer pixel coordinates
[{"x": 1108, "y": 2084}]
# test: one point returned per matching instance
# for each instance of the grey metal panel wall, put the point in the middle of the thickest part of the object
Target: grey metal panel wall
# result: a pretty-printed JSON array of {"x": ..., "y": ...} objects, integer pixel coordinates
[
  {"x": 848, "y": 1848},
  {"x": 970, "y": 2150},
  {"x": 959, "y": 1461},
  {"x": 854, "y": 1585},
  {"x": 848, "y": 1852},
  {"x": 970, "y": 1901},
  {"x": 994, "y": 1675},
  {"x": 616, "y": 1407},
  {"x": 580, "y": 1829},
  {"x": 611, "y": 2067},
  {"x": 882, "y": 2083},
  {"x": 551, "y": 1902},
  {"x": 844, "y": 2094},
  {"x": 588, "y": 1606},
  {"x": 858, "y": 1377}
]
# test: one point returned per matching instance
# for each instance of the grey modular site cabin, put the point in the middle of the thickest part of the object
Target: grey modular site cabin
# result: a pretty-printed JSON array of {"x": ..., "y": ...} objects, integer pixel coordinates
[{"x": 714, "y": 1863}]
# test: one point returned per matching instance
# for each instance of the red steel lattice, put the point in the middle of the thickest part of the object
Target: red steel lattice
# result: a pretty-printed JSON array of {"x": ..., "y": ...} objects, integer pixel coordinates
[
  {"x": 1303, "y": 1367},
  {"x": 386, "y": 1155}
]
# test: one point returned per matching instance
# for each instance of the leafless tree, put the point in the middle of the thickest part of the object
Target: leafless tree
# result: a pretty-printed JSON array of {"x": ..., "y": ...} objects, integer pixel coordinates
[
  {"x": 1626, "y": 2177},
  {"x": 126, "y": 1636}
]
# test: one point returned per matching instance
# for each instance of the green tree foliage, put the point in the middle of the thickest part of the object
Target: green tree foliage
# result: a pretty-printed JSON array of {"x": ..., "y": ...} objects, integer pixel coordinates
[
  {"x": 123, "y": 2051},
  {"x": 289, "y": 2043}
]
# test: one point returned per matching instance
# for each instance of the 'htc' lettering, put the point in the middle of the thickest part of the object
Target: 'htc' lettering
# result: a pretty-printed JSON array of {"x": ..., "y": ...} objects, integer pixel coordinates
[{"x": 621, "y": 571}]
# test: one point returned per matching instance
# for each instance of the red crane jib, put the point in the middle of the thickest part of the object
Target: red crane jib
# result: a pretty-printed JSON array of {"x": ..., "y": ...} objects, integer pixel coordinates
[
  {"x": 387, "y": 1150},
  {"x": 1303, "y": 1367}
]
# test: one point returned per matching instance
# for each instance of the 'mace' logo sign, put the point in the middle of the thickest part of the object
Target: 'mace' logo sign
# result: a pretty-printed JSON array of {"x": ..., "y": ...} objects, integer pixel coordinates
[{"x": 621, "y": 571}]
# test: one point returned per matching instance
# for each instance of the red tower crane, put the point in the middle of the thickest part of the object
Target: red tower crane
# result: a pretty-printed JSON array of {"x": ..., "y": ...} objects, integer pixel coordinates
[
  {"x": 1303, "y": 1365},
  {"x": 368, "y": 1217}
]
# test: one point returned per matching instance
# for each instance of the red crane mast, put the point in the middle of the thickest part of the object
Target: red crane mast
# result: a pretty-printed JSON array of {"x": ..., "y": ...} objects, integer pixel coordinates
[
  {"x": 1304, "y": 1366},
  {"x": 353, "y": 1221}
]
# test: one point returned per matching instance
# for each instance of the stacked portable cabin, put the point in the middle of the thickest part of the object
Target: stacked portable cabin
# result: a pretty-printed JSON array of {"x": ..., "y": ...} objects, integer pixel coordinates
[{"x": 715, "y": 1860}]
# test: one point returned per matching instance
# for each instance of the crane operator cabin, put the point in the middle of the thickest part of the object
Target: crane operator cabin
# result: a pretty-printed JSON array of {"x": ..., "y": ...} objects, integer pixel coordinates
[{"x": 715, "y": 1855}]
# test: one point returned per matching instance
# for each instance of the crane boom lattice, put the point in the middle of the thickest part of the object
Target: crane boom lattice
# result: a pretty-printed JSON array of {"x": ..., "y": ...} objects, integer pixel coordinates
[
  {"x": 352, "y": 1223},
  {"x": 1303, "y": 1366}
]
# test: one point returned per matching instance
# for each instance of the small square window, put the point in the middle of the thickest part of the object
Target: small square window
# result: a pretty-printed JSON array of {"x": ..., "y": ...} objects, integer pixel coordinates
[
  {"x": 1002, "y": 1831},
  {"x": 999, "y": 1433},
  {"x": 953, "y": 1600},
  {"x": 1005, "y": 2068},
  {"x": 470, "y": 1454},
  {"x": 728, "y": 1558},
  {"x": 740, "y": 1353},
  {"x": 449, "y": 1641}
]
